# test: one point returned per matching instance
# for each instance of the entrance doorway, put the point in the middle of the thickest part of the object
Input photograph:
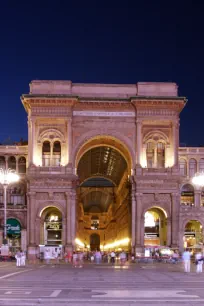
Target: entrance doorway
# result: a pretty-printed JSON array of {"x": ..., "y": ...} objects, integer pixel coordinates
[
  {"x": 193, "y": 236},
  {"x": 51, "y": 231},
  {"x": 104, "y": 193},
  {"x": 14, "y": 234},
  {"x": 94, "y": 242},
  {"x": 155, "y": 229}
]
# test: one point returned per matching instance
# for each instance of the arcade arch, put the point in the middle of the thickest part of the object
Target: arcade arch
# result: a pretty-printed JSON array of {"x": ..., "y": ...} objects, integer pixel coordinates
[
  {"x": 103, "y": 165},
  {"x": 155, "y": 227},
  {"x": 51, "y": 226},
  {"x": 193, "y": 234}
]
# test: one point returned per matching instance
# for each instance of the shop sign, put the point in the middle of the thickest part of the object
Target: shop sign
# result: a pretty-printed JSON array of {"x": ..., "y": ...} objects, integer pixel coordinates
[
  {"x": 151, "y": 235},
  {"x": 54, "y": 226},
  {"x": 13, "y": 227},
  {"x": 189, "y": 235}
]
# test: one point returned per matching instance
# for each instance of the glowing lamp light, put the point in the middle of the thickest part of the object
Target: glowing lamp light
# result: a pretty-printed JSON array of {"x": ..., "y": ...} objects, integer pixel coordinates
[
  {"x": 198, "y": 179},
  {"x": 122, "y": 242},
  {"x": 8, "y": 176},
  {"x": 79, "y": 242}
]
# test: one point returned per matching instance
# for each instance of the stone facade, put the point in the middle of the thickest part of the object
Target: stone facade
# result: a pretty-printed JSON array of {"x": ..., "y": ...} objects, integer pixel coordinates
[{"x": 141, "y": 123}]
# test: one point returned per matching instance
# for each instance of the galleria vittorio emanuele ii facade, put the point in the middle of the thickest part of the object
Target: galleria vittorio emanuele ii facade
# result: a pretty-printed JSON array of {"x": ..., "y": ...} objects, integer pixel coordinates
[{"x": 103, "y": 169}]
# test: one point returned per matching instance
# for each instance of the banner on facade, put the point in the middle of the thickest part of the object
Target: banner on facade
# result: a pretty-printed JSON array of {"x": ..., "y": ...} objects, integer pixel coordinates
[{"x": 13, "y": 227}]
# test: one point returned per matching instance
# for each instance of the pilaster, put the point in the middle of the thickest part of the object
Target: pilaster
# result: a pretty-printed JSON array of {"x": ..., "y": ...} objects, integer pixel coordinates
[{"x": 139, "y": 140}]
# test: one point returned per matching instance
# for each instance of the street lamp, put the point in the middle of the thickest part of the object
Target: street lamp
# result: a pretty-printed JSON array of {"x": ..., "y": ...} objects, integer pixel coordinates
[
  {"x": 198, "y": 179},
  {"x": 7, "y": 176}
]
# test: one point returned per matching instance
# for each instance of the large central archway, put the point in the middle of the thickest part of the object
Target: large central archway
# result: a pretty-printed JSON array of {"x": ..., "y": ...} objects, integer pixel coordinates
[{"x": 103, "y": 166}]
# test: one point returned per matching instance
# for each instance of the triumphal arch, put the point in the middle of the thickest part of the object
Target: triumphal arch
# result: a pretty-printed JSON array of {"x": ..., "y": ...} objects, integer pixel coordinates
[{"x": 103, "y": 165}]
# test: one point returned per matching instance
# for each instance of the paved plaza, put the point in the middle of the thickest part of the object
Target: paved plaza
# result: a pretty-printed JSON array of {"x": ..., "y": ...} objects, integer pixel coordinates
[{"x": 136, "y": 284}]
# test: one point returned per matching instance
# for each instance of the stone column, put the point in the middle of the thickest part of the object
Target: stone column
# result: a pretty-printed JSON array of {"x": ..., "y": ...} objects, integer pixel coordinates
[
  {"x": 51, "y": 154},
  {"x": 24, "y": 240},
  {"x": 68, "y": 221},
  {"x": 168, "y": 239},
  {"x": 69, "y": 134},
  {"x": 175, "y": 204},
  {"x": 6, "y": 160},
  {"x": 139, "y": 141},
  {"x": 133, "y": 220},
  {"x": 17, "y": 159},
  {"x": 139, "y": 224},
  {"x": 30, "y": 153},
  {"x": 197, "y": 198},
  {"x": 33, "y": 121},
  {"x": 175, "y": 132},
  {"x": 155, "y": 157},
  {"x": 31, "y": 225},
  {"x": 1, "y": 236},
  {"x": 73, "y": 217}
]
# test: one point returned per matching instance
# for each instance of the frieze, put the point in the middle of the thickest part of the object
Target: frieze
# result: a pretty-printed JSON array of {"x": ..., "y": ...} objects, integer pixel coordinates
[
  {"x": 42, "y": 196},
  {"x": 103, "y": 114}
]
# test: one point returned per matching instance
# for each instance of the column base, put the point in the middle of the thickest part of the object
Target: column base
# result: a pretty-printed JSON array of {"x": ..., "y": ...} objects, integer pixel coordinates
[
  {"x": 139, "y": 250},
  {"x": 32, "y": 252},
  {"x": 69, "y": 248}
]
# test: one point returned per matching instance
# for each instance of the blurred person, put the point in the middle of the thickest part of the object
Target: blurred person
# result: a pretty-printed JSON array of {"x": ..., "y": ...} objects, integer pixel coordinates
[
  {"x": 81, "y": 259},
  {"x": 112, "y": 255},
  {"x": 199, "y": 262},
  {"x": 74, "y": 259},
  {"x": 18, "y": 258},
  {"x": 23, "y": 258},
  {"x": 123, "y": 258},
  {"x": 98, "y": 257},
  {"x": 187, "y": 260}
]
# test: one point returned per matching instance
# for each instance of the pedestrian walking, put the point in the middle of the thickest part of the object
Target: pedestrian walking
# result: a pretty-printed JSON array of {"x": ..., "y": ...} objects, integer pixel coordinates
[
  {"x": 98, "y": 257},
  {"x": 18, "y": 259},
  {"x": 187, "y": 260},
  {"x": 199, "y": 262},
  {"x": 47, "y": 256},
  {"x": 22, "y": 258},
  {"x": 112, "y": 257},
  {"x": 75, "y": 258},
  {"x": 123, "y": 258}
]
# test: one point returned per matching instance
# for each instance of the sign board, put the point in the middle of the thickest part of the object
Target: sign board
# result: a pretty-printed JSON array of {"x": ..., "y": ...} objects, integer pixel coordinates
[{"x": 13, "y": 227}]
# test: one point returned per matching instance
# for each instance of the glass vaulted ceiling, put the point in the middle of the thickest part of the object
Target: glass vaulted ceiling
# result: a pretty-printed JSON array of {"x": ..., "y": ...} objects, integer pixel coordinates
[{"x": 102, "y": 162}]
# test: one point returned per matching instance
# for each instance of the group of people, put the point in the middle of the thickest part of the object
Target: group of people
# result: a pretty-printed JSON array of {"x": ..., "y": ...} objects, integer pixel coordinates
[
  {"x": 20, "y": 258},
  {"x": 77, "y": 258},
  {"x": 199, "y": 259}
]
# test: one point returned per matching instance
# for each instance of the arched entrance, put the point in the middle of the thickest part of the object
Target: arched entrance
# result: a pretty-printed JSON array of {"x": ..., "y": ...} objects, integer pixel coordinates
[
  {"x": 51, "y": 227},
  {"x": 193, "y": 235},
  {"x": 94, "y": 242},
  {"x": 14, "y": 234},
  {"x": 103, "y": 166},
  {"x": 155, "y": 227}
]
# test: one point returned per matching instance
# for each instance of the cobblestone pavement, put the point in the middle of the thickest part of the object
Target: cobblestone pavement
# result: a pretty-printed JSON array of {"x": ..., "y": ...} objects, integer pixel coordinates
[{"x": 135, "y": 284}]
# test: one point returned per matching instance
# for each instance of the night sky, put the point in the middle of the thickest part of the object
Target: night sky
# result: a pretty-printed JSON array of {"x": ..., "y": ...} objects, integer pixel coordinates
[{"x": 106, "y": 42}]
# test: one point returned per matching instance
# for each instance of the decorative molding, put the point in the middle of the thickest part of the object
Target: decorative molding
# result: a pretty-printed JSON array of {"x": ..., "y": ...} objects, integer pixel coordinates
[{"x": 103, "y": 114}]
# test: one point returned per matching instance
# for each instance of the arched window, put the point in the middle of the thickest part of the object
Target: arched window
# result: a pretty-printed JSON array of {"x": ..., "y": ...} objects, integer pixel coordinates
[
  {"x": 56, "y": 159},
  {"x": 2, "y": 162},
  {"x": 12, "y": 163},
  {"x": 22, "y": 165},
  {"x": 201, "y": 165},
  {"x": 46, "y": 154},
  {"x": 150, "y": 154},
  {"x": 187, "y": 195},
  {"x": 160, "y": 155},
  {"x": 17, "y": 195},
  {"x": 192, "y": 167},
  {"x": 183, "y": 166}
]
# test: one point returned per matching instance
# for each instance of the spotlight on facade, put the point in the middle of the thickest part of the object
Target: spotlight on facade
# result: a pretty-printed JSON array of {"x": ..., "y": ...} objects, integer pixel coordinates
[
  {"x": 198, "y": 179},
  {"x": 7, "y": 177}
]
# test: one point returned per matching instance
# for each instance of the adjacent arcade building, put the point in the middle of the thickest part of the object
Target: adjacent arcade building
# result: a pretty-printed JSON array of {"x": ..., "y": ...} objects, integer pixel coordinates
[{"x": 103, "y": 169}]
